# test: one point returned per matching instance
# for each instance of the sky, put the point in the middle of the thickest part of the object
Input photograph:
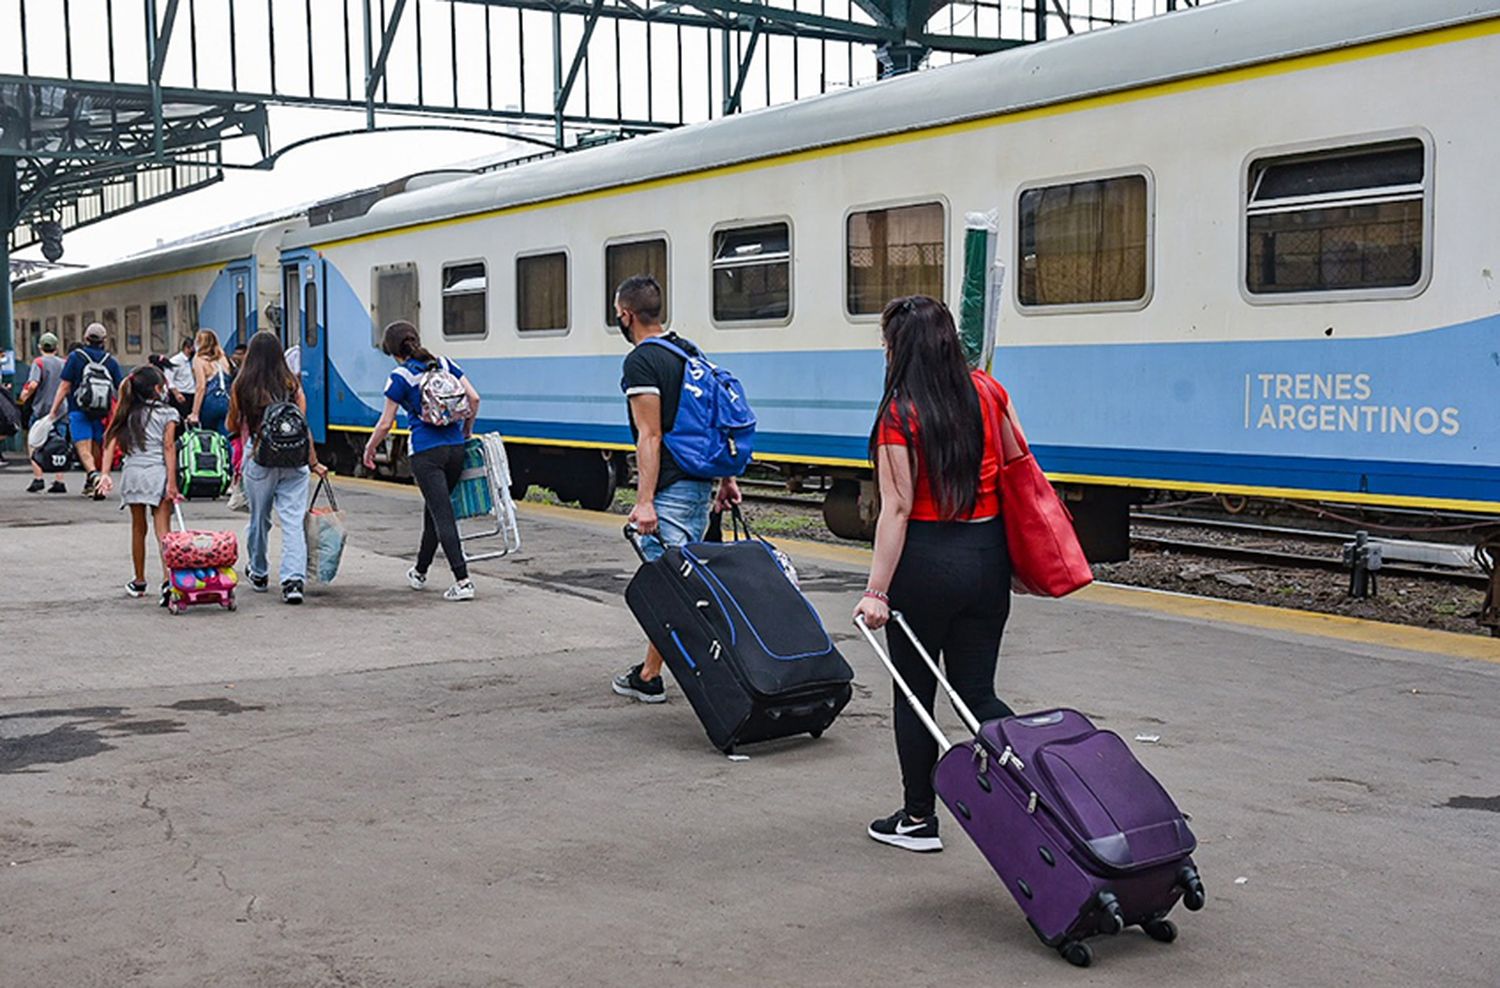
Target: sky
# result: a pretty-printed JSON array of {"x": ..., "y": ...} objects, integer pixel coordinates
[{"x": 345, "y": 164}]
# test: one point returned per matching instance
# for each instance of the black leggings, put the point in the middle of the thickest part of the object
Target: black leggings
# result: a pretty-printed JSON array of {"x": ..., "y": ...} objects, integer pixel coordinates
[
  {"x": 953, "y": 586},
  {"x": 436, "y": 472}
]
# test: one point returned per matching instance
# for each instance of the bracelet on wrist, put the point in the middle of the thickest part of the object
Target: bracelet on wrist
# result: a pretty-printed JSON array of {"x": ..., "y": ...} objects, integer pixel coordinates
[{"x": 879, "y": 595}]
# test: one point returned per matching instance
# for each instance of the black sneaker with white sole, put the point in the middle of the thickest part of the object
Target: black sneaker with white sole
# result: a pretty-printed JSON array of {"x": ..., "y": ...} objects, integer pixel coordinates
[
  {"x": 260, "y": 584},
  {"x": 291, "y": 592},
  {"x": 630, "y": 683},
  {"x": 899, "y": 830}
]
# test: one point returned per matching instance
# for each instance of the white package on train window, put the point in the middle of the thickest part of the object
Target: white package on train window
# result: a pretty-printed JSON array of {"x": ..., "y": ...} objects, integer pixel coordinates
[
  {"x": 752, "y": 273},
  {"x": 1345, "y": 219},
  {"x": 465, "y": 291}
]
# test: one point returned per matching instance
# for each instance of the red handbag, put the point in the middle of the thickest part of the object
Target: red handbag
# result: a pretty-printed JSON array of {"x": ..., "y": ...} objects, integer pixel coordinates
[{"x": 1045, "y": 557}]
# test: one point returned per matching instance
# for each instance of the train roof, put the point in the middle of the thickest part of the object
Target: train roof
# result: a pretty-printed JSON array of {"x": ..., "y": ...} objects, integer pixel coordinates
[
  {"x": 1226, "y": 35},
  {"x": 206, "y": 250}
]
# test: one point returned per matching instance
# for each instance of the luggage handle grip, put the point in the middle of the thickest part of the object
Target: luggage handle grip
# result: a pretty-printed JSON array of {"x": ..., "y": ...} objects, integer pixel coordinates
[
  {"x": 964, "y": 712},
  {"x": 633, "y": 536},
  {"x": 926, "y": 718}
]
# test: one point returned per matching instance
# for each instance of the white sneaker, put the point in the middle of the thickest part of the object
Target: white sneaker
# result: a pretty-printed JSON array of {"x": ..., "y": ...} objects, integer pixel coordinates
[
  {"x": 462, "y": 590},
  {"x": 415, "y": 580}
]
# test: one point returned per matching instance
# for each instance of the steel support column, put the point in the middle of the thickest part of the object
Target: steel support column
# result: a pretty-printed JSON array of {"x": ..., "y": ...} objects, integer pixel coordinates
[{"x": 8, "y": 217}]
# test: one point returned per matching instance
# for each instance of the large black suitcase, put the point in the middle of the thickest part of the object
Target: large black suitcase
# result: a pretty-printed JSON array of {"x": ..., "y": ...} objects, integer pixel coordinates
[{"x": 745, "y": 646}]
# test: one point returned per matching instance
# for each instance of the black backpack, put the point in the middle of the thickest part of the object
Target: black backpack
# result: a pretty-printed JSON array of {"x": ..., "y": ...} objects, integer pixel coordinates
[{"x": 283, "y": 439}]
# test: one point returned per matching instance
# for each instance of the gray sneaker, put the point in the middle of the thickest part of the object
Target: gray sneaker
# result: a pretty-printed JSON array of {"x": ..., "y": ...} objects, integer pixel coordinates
[{"x": 630, "y": 683}]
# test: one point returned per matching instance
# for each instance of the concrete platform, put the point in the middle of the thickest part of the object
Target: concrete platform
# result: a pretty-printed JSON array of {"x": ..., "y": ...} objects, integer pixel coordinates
[{"x": 380, "y": 788}]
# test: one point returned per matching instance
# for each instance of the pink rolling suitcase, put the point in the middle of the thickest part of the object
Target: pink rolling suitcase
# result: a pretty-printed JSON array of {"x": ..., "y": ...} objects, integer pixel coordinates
[
  {"x": 200, "y": 566},
  {"x": 1081, "y": 834}
]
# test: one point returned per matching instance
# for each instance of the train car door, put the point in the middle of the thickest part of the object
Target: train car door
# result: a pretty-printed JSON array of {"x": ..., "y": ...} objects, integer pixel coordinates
[
  {"x": 242, "y": 306},
  {"x": 304, "y": 326}
]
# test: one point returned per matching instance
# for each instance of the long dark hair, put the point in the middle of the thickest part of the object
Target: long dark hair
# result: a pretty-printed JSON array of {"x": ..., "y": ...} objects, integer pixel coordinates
[
  {"x": 137, "y": 398},
  {"x": 263, "y": 380},
  {"x": 930, "y": 399},
  {"x": 402, "y": 342}
]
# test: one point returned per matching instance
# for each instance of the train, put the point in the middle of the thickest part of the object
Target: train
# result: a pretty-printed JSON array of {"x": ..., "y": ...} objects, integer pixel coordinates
[{"x": 1250, "y": 249}]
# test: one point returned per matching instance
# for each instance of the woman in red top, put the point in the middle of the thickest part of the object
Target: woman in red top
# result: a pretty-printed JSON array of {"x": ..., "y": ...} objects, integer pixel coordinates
[{"x": 940, "y": 554}]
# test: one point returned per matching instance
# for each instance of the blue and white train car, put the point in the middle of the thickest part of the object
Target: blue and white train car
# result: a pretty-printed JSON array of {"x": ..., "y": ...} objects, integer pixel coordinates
[
  {"x": 1251, "y": 249},
  {"x": 150, "y": 303}
]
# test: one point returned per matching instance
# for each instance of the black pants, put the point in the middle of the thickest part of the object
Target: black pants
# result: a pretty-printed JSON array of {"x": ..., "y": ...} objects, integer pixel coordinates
[
  {"x": 436, "y": 472},
  {"x": 953, "y": 586}
]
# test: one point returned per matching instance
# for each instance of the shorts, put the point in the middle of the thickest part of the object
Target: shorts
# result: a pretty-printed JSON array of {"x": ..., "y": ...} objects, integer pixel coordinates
[
  {"x": 681, "y": 515},
  {"x": 84, "y": 428}
]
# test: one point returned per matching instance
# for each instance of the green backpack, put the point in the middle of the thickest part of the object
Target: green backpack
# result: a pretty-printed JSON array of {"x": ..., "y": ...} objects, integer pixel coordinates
[{"x": 203, "y": 465}]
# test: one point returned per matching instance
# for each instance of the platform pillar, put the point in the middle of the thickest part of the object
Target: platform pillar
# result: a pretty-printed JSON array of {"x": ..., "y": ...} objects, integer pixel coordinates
[{"x": 7, "y": 222}]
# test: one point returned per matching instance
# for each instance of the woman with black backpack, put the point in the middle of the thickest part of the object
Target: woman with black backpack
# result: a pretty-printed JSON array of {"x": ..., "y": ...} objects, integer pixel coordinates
[
  {"x": 268, "y": 411},
  {"x": 441, "y": 407}
]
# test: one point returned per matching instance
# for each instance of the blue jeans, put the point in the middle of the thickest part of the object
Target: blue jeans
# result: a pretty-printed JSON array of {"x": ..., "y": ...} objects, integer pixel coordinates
[
  {"x": 681, "y": 515},
  {"x": 283, "y": 489}
]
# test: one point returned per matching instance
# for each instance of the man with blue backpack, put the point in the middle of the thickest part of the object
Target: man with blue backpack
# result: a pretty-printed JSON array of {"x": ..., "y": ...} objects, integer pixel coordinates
[
  {"x": 692, "y": 427},
  {"x": 90, "y": 380}
]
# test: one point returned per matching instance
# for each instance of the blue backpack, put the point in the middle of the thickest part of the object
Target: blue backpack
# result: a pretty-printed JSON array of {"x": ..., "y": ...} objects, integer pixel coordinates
[{"x": 714, "y": 433}]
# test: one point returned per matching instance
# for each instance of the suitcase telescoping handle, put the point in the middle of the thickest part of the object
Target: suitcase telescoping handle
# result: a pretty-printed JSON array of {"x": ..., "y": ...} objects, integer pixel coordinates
[
  {"x": 926, "y": 718},
  {"x": 967, "y": 715},
  {"x": 177, "y": 516}
]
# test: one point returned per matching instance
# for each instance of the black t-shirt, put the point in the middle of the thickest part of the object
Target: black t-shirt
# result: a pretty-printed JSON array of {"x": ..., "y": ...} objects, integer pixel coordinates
[{"x": 651, "y": 369}]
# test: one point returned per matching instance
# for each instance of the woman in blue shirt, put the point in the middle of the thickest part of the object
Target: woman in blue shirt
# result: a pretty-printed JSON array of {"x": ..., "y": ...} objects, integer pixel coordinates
[{"x": 441, "y": 407}]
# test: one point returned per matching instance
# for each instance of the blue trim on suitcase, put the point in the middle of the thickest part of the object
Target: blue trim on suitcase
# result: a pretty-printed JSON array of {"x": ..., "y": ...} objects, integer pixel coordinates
[
  {"x": 734, "y": 637},
  {"x": 678, "y": 642},
  {"x": 710, "y": 575}
]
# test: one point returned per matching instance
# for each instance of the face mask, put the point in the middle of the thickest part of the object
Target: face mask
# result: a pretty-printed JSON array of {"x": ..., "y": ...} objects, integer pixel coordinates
[{"x": 623, "y": 322}]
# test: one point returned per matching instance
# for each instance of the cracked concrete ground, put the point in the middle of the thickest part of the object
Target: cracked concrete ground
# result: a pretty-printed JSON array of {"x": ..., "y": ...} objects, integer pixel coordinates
[{"x": 383, "y": 789}]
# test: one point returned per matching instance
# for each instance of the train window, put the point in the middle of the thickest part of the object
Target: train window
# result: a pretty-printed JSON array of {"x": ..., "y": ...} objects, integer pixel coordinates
[
  {"x": 188, "y": 319},
  {"x": 893, "y": 252},
  {"x": 1084, "y": 243},
  {"x": 70, "y": 328},
  {"x": 161, "y": 337},
  {"x": 132, "y": 329},
  {"x": 310, "y": 314},
  {"x": 752, "y": 273},
  {"x": 625, "y": 260},
  {"x": 110, "y": 320},
  {"x": 542, "y": 293},
  {"x": 291, "y": 290},
  {"x": 51, "y": 323},
  {"x": 87, "y": 319},
  {"x": 393, "y": 298},
  {"x": 465, "y": 290},
  {"x": 241, "y": 318},
  {"x": 1341, "y": 220}
]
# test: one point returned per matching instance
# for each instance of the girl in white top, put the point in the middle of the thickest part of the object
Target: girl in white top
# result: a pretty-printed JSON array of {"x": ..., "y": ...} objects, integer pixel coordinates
[{"x": 144, "y": 426}]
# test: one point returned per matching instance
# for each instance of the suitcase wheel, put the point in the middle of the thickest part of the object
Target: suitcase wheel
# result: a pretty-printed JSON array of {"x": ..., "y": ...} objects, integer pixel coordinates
[
  {"x": 1193, "y": 896},
  {"x": 1077, "y": 953},
  {"x": 1163, "y": 930}
]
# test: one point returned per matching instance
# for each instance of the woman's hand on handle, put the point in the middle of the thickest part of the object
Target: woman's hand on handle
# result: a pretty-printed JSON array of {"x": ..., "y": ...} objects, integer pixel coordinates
[{"x": 873, "y": 611}]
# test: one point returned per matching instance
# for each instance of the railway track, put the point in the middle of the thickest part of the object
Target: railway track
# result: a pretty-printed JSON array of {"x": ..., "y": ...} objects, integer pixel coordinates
[{"x": 1278, "y": 557}]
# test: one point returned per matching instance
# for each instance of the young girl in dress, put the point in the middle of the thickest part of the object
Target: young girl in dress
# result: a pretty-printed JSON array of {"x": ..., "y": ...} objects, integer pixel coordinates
[{"x": 144, "y": 427}]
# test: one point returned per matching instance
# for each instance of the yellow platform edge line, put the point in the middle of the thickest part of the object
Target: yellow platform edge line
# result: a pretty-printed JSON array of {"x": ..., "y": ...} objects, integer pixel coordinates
[{"x": 1313, "y": 624}]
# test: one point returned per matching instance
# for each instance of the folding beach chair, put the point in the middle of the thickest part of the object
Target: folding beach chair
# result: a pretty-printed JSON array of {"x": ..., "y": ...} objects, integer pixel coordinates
[{"x": 483, "y": 491}]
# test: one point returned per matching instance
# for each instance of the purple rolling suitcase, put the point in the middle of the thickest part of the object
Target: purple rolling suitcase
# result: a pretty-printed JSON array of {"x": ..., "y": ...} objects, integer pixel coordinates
[{"x": 1081, "y": 834}]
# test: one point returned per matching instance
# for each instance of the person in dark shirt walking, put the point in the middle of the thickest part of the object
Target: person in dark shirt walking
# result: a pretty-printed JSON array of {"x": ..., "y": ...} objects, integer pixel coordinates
[{"x": 671, "y": 506}]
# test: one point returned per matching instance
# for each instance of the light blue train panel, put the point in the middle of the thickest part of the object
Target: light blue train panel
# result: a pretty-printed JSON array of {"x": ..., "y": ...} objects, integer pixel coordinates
[
  {"x": 229, "y": 307},
  {"x": 1416, "y": 415}
]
